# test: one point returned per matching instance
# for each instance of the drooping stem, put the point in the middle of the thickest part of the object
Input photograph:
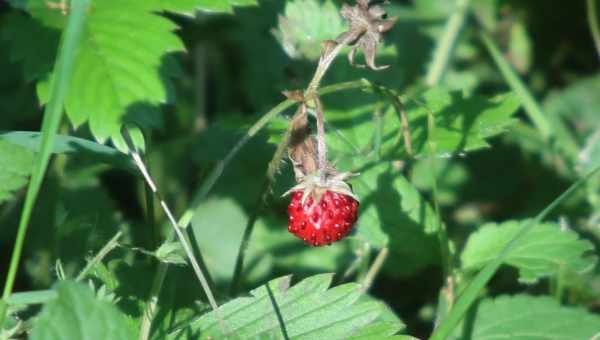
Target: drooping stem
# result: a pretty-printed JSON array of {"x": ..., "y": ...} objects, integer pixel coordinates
[
  {"x": 328, "y": 56},
  {"x": 321, "y": 143}
]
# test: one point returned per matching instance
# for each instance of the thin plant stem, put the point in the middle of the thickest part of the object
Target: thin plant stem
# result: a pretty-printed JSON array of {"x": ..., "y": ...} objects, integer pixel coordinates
[
  {"x": 150, "y": 311},
  {"x": 446, "y": 297},
  {"x": 445, "y": 46},
  {"x": 150, "y": 218},
  {"x": 108, "y": 247},
  {"x": 532, "y": 107},
  {"x": 592, "y": 17},
  {"x": 327, "y": 57},
  {"x": 400, "y": 109},
  {"x": 182, "y": 240},
  {"x": 52, "y": 116},
  {"x": 321, "y": 143},
  {"x": 473, "y": 289},
  {"x": 272, "y": 169},
  {"x": 375, "y": 269}
]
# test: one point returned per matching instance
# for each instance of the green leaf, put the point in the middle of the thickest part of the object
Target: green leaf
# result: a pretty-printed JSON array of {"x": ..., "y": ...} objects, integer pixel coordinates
[
  {"x": 77, "y": 314},
  {"x": 120, "y": 73},
  {"x": 394, "y": 214},
  {"x": 462, "y": 124},
  {"x": 37, "y": 59},
  {"x": 542, "y": 252},
  {"x": 171, "y": 252},
  {"x": 189, "y": 7},
  {"x": 523, "y": 317},
  {"x": 16, "y": 164},
  {"x": 73, "y": 146},
  {"x": 305, "y": 24},
  {"x": 308, "y": 310}
]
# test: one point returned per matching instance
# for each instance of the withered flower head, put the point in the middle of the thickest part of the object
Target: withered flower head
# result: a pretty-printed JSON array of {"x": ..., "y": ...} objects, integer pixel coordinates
[{"x": 367, "y": 25}]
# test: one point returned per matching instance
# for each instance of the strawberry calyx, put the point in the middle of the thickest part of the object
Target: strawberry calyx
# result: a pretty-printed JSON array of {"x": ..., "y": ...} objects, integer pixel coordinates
[{"x": 315, "y": 185}]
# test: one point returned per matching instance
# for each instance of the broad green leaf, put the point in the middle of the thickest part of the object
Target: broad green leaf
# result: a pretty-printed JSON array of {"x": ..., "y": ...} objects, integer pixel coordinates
[
  {"x": 305, "y": 24},
  {"x": 462, "y": 124},
  {"x": 16, "y": 164},
  {"x": 524, "y": 317},
  {"x": 78, "y": 314},
  {"x": 308, "y": 310},
  {"x": 544, "y": 251},
  {"x": 121, "y": 73},
  {"x": 393, "y": 214}
]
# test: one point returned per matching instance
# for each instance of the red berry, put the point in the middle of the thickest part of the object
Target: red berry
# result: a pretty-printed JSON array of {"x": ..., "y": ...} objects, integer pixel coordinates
[{"x": 330, "y": 220}]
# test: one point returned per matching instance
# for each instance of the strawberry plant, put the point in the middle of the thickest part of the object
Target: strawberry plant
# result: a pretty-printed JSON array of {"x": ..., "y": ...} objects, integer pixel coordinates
[{"x": 299, "y": 169}]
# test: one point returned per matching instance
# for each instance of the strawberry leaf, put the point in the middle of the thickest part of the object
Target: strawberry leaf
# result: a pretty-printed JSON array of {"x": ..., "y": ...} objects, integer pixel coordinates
[
  {"x": 461, "y": 123},
  {"x": 307, "y": 310},
  {"x": 120, "y": 74},
  {"x": 544, "y": 251},
  {"x": 523, "y": 317},
  {"x": 78, "y": 314},
  {"x": 16, "y": 164}
]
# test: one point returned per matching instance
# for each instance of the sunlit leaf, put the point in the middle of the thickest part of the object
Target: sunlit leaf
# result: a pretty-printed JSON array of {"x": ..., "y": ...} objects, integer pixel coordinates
[
  {"x": 544, "y": 251},
  {"x": 523, "y": 317},
  {"x": 308, "y": 310}
]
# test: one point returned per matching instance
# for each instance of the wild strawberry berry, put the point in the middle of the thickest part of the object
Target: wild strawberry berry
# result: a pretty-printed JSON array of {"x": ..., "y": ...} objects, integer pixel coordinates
[{"x": 326, "y": 221}]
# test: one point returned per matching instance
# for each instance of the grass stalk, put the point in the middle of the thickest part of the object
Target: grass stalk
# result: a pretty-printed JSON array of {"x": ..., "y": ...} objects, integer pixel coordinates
[
  {"x": 532, "y": 107},
  {"x": 443, "y": 51},
  {"x": 59, "y": 85}
]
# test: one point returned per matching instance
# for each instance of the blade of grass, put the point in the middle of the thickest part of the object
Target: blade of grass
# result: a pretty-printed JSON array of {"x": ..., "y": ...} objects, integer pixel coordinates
[
  {"x": 52, "y": 116},
  {"x": 592, "y": 16},
  {"x": 443, "y": 51},
  {"x": 471, "y": 292},
  {"x": 532, "y": 107}
]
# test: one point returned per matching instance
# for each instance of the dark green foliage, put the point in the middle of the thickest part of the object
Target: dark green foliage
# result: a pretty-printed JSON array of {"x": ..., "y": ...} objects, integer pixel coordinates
[{"x": 457, "y": 146}]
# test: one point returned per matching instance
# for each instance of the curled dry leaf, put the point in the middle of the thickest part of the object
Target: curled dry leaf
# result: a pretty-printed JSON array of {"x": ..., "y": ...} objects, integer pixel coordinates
[
  {"x": 367, "y": 24},
  {"x": 302, "y": 148}
]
